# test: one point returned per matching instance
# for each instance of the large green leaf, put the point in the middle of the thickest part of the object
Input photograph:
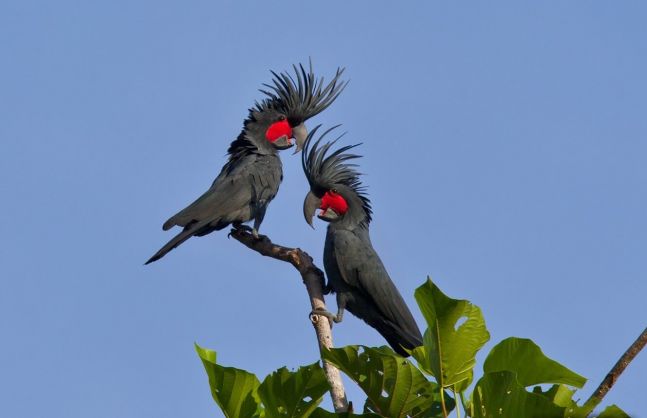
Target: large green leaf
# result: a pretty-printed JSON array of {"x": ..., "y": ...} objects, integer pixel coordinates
[
  {"x": 232, "y": 389},
  {"x": 499, "y": 394},
  {"x": 395, "y": 388},
  {"x": 525, "y": 358},
  {"x": 293, "y": 394},
  {"x": 613, "y": 412},
  {"x": 449, "y": 352}
]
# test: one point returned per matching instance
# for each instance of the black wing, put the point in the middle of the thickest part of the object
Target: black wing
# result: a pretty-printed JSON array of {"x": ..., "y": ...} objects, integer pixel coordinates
[
  {"x": 232, "y": 197},
  {"x": 232, "y": 193},
  {"x": 362, "y": 269}
]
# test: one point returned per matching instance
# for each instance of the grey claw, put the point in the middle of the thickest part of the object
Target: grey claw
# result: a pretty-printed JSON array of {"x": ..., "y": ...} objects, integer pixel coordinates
[{"x": 332, "y": 318}]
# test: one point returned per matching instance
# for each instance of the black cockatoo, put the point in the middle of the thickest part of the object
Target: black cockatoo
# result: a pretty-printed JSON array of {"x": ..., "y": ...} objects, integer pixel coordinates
[
  {"x": 251, "y": 177},
  {"x": 355, "y": 272}
]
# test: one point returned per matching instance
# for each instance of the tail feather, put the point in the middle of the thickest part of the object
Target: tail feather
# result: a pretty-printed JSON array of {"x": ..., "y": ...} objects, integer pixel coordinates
[
  {"x": 169, "y": 224},
  {"x": 398, "y": 338},
  {"x": 188, "y": 232},
  {"x": 401, "y": 335}
]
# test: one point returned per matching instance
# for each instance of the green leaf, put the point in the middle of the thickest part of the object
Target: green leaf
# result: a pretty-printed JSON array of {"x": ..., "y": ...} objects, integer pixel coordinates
[
  {"x": 293, "y": 394},
  {"x": 322, "y": 413},
  {"x": 499, "y": 394},
  {"x": 395, "y": 388},
  {"x": 464, "y": 384},
  {"x": 449, "y": 353},
  {"x": 560, "y": 395},
  {"x": 525, "y": 358},
  {"x": 232, "y": 389},
  {"x": 613, "y": 412}
]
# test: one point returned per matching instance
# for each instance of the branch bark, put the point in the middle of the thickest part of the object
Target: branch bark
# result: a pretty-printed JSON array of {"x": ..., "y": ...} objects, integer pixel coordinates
[
  {"x": 313, "y": 278},
  {"x": 615, "y": 372}
]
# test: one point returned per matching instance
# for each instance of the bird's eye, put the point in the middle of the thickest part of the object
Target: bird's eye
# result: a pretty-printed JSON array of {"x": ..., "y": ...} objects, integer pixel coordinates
[
  {"x": 281, "y": 117},
  {"x": 334, "y": 190}
]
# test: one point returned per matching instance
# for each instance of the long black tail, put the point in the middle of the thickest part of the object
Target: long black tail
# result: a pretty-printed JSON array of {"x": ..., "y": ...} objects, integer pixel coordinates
[
  {"x": 399, "y": 334},
  {"x": 190, "y": 230},
  {"x": 177, "y": 240},
  {"x": 397, "y": 337}
]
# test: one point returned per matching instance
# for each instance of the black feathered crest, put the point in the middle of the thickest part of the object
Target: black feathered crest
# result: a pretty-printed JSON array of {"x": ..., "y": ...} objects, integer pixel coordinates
[
  {"x": 304, "y": 97},
  {"x": 327, "y": 172}
]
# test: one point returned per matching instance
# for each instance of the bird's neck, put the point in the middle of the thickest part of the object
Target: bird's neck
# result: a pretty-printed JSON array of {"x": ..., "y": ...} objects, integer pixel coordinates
[
  {"x": 250, "y": 142},
  {"x": 353, "y": 220}
]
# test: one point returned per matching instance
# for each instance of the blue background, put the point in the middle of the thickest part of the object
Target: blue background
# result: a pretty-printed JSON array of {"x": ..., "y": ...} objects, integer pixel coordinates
[{"x": 504, "y": 145}]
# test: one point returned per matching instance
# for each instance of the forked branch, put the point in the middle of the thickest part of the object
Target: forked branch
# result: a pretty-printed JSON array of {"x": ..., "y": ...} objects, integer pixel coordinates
[{"x": 313, "y": 278}]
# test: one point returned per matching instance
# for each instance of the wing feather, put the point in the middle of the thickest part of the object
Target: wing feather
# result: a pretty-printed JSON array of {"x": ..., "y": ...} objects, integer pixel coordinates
[
  {"x": 362, "y": 269},
  {"x": 233, "y": 192}
]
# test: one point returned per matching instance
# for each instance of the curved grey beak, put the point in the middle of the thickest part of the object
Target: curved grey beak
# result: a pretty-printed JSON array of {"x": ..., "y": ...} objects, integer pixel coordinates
[
  {"x": 329, "y": 215},
  {"x": 300, "y": 134},
  {"x": 310, "y": 206},
  {"x": 282, "y": 143}
]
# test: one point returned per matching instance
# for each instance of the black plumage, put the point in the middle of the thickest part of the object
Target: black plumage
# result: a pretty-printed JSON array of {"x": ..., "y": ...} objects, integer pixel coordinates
[
  {"x": 354, "y": 270},
  {"x": 250, "y": 178}
]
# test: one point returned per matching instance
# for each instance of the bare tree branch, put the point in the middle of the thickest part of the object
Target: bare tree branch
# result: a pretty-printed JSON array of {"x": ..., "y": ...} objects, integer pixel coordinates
[
  {"x": 313, "y": 278},
  {"x": 615, "y": 372}
]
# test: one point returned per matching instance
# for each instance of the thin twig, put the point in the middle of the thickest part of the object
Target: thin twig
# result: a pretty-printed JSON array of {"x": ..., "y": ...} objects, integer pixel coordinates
[
  {"x": 313, "y": 278},
  {"x": 615, "y": 372}
]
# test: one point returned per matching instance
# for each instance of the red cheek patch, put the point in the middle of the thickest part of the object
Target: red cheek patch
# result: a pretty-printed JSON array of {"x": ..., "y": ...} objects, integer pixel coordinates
[
  {"x": 277, "y": 130},
  {"x": 334, "y": 201}
]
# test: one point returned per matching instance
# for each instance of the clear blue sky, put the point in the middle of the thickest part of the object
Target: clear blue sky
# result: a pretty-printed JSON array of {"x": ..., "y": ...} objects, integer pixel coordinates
[{"x": 505, "y": 149}]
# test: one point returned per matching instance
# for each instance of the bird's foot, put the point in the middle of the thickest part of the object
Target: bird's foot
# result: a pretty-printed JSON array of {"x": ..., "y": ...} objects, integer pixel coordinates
[
  {"x": 332, "y": 318},
  {"x": 247, "y": 228},
  {"x": 242, "y": 227},
  {"x": 327, "y": 289}
]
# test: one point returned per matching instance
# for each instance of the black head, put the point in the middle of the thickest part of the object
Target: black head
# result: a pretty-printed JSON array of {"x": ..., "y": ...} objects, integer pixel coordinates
[
  {"x": 271, "y": 129},
  {"x": 335, "y": 187},
  {"x": 300, "y": 97}
]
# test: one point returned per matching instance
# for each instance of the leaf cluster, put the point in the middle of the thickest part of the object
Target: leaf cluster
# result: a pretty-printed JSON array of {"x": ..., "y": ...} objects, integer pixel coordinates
[{"x": 518, "y": 380}]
